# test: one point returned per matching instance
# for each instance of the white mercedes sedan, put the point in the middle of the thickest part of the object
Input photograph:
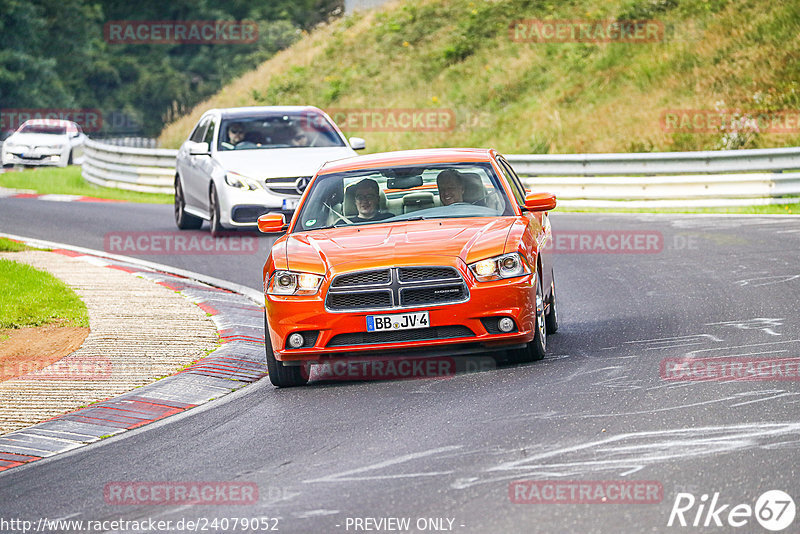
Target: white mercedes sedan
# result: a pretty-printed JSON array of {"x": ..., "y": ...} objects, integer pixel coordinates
[
  {"x": 240, "y": 163},
  {"x": 44, "y": 142}
]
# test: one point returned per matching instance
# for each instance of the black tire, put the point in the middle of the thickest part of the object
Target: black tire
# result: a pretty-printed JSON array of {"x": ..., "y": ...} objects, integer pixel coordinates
[
  {"x": 535, "y": 350},
  {"x": 282, "y": 376},
  {"x": 213, "y": 210},
  {"x": 552, "y": 317},
  {"x": 69, "y": 159},
  {"x": 184, "y": 220}
]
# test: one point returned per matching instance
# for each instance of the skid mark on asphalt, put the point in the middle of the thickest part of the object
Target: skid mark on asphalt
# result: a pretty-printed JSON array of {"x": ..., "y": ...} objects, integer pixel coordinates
[
  {"x": 738, "y": 399},
  {"x": 696, "y": 352},
  {"x": 625, "y": 454},
  {"x": 765, "y": 324},
  {"x": 761, "y": 281},
  {"x": 675, "y": 341},
  {"x": 315, "y": 513},
  {"x": 354, "y": 474},
  {"x": 778, "y": 395}
]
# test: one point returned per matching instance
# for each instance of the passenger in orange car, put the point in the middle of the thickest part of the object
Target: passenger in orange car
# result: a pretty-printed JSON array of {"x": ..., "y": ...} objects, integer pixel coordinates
[
  {"x": 451, "y": 187},
  {"x": 367, "y": 201}
]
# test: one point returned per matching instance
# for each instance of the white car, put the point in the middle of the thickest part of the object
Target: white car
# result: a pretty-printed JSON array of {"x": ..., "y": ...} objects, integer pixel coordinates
[
  {"x": 44, "y": 142},
  {"x": 240, "y": 163}
]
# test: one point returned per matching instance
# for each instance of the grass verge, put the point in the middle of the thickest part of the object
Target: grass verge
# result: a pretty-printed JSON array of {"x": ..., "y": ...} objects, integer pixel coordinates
[
  {"x": 7, "y": 245},
  {"x": 502, "y": 91},
  {"x": 34, "y": 298},
  {"x": 68, "y": 181}
]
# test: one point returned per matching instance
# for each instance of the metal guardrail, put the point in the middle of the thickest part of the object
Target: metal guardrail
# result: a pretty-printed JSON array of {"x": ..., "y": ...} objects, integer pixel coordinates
[
  {"x": 667, "y": 179},
  {"x": 149, "y": 170},
  {"x": 134, "y": 142},
  {"x": 717, "y": 161}
]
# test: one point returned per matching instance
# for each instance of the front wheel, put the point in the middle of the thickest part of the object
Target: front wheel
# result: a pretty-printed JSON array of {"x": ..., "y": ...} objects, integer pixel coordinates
[
  {"x": 213, "y": 208},
  {"x": 183, "y": 220},
  {"x": 535, "y": 350},
  {"x": 282, "y": 376},
  {"x": 552, "y": 317}
]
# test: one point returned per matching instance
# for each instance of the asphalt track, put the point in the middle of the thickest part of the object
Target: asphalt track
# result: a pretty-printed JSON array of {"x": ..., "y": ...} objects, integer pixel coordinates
[{"x": 596, "y": 409}]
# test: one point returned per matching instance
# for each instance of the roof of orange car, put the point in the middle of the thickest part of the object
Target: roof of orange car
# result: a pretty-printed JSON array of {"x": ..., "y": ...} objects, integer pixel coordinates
[{"x": 408, "y": 157}]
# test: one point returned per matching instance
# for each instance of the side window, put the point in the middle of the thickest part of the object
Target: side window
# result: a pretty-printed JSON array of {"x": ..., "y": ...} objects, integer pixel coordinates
[
  {"x": 513, "y": 181},
  {"x": 210, "y": 133},
  {"x": 199, "y": 130}
]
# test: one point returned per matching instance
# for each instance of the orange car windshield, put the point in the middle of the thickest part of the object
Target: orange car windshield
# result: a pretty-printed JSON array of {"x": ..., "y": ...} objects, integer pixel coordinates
[{"x": 386, "y": 195}]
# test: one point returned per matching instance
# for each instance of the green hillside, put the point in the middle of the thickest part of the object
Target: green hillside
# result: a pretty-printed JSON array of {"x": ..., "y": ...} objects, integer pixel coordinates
[{"x": 459, "y": 57}]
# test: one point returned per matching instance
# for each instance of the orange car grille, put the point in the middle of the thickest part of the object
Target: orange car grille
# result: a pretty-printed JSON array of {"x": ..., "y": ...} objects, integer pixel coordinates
[
  {"x": 398, "y": 287},
  {"x": 398, "y": 336},
  {"x": 366, "y": 299}
]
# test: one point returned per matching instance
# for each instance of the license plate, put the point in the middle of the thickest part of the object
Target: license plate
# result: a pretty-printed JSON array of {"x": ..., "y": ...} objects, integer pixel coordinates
[
  {"x": 398, "y": 321},
  {"x": 291, "y": 203}
]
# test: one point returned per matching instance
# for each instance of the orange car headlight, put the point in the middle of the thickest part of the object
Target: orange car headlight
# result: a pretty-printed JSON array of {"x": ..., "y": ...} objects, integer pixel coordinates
[
  {"x": 499, "y": 267},
  {"x": 291, "y": 283}
]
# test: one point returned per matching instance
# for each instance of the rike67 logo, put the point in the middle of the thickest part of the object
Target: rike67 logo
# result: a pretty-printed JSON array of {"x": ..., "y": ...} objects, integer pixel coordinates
[{"x": 774, "y": 510}]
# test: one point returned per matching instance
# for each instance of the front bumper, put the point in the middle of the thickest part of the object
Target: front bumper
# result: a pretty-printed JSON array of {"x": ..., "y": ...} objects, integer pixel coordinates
[
  {"x": 48, "y": 157},
  {"x": 460, "y": 328},
  {"x": 241, "y": 208}
]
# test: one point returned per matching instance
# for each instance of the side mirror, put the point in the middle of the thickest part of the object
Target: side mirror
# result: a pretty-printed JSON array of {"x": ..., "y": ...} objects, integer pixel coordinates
[
  {"x": 540, "y": 201},
  {"x": 272, "y": 223},
  {"x": 199, "y": 149},
  {"x": 356, "y": 143}
]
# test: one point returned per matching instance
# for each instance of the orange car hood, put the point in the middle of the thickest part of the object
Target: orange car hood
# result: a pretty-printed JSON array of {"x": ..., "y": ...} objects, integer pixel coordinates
[{"x": 414, "y": 242}]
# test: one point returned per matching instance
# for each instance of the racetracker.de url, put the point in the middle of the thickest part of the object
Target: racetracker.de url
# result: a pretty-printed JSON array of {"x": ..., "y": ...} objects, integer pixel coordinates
[{"x": 199, "y": 524}]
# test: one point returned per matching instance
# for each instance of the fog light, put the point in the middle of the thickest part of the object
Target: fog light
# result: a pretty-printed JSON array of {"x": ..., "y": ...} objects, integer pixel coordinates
[
  {"x": 505, "y": 324},
  {"x": 296, "y": 340}
]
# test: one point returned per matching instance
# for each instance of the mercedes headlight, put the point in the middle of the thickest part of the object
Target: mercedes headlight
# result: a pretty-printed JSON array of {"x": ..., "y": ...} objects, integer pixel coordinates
[
  {"x": 292, "y": 283},
  {"x": 499, "y": 267},
  {"x": 235, "y": 179}
]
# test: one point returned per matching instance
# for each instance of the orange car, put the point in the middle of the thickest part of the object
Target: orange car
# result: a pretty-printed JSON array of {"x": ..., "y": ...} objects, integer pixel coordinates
[{"x": 423, "y": 251}]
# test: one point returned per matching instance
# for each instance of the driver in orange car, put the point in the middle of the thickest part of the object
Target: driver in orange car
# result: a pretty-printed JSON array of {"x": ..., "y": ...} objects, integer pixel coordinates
[
  {"x": 367, "y": 201},
  {"x": 451, "y": 187}
]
